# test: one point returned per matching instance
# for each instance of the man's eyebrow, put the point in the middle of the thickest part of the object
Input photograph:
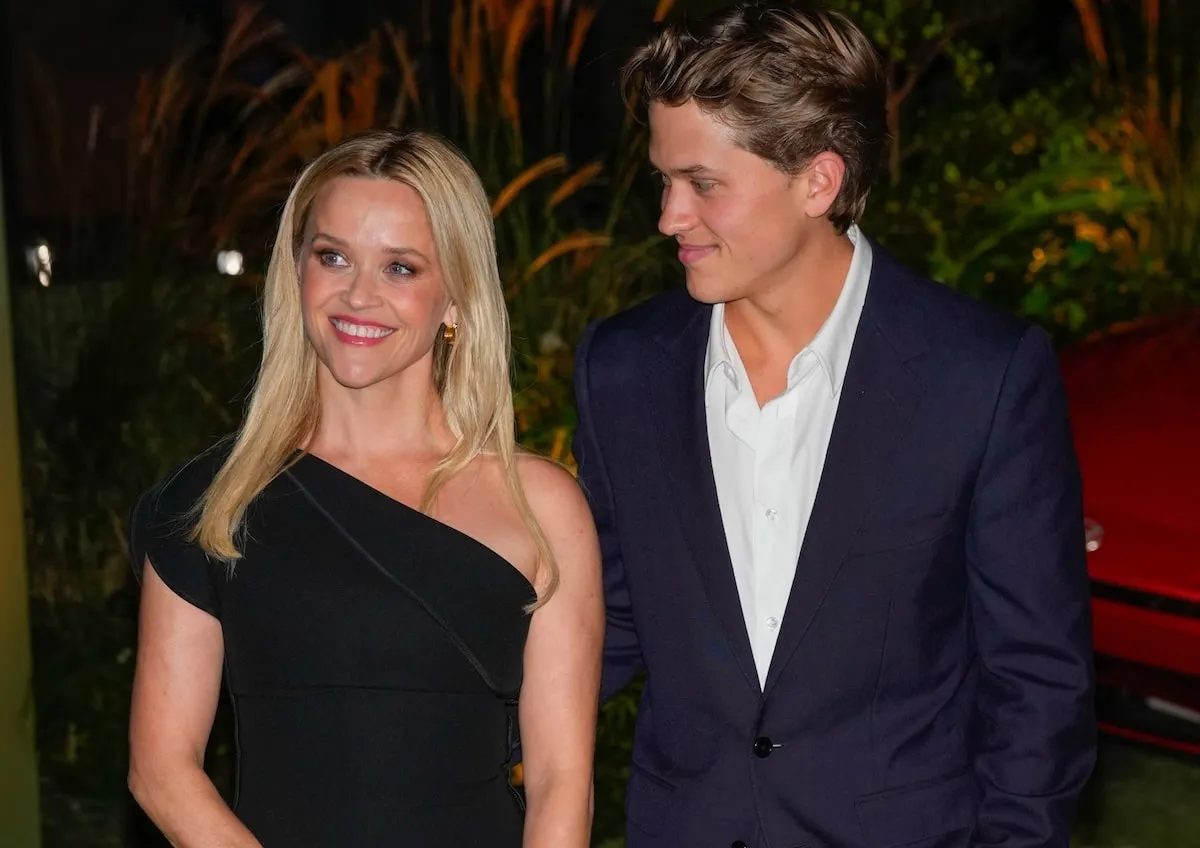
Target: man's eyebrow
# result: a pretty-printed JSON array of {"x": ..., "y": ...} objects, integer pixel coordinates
[{"x": 688, "y": 171}]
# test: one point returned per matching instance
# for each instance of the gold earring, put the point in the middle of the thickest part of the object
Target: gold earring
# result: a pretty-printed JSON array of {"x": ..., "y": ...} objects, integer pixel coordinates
[{"x": 450, "y": 333}]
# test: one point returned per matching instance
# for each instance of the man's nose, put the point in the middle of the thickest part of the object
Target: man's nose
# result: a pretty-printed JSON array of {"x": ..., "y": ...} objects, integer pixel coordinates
[{"x": 677, "y": 215}]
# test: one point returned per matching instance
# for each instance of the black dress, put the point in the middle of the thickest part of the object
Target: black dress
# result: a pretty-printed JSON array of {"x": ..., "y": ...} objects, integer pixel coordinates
[{"x": 373, "y": 655}]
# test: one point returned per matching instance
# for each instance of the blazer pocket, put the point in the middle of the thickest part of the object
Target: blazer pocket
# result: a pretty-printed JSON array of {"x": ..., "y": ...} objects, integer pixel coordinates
[
  {"x": 911, "y": 813},
  {"x": 647, "y": 799},
  {"x": 902, "y": 533}
]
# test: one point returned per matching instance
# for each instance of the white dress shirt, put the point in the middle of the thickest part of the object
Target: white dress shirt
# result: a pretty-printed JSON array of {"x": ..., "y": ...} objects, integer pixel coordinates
[{"x": 767, "y": 461}]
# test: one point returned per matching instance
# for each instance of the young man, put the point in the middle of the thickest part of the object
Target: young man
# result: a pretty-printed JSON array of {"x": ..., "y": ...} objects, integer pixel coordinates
[{"x": 838, "y": 504}]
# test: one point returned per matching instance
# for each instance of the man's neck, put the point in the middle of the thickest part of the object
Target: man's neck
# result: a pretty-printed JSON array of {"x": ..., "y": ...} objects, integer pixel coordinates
[{"x": 777, "y": 322}]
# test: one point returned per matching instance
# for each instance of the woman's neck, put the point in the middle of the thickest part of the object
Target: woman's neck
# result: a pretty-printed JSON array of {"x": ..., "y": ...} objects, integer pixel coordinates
[{"x": 390, "y": 419}]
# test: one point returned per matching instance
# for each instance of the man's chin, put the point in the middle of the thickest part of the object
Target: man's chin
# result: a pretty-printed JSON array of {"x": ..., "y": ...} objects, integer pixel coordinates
[{"x": 703, "y": 288}]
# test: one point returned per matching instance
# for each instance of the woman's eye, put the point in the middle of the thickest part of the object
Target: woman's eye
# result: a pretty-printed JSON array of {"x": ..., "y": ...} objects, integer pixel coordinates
[
  {"x": 331, "y": 258},
  {"x": 399, "y": 269}
]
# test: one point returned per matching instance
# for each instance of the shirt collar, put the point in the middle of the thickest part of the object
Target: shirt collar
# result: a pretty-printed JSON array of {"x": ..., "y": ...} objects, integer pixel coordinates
[
  {"x": 835, "y": 339},
  {"x": 721, "y": 354},
  {"x": 833, "y": 342}
]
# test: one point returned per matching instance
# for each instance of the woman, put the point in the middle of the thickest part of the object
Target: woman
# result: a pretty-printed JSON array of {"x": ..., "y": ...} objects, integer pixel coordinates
[{"x": 372, "y": 563}]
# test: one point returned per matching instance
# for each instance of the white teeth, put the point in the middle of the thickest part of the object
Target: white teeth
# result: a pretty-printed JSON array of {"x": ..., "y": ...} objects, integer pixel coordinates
[{"x": 361, "y": 330}]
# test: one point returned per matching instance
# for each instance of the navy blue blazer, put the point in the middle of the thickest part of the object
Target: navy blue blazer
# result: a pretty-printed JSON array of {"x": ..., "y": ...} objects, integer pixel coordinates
[{"x": 932, "y": 682}]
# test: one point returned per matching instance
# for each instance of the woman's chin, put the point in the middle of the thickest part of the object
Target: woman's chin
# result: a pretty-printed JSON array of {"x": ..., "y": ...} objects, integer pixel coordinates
[
  {"x": 364, "y": 372},
  {"x": 356, "y": 378}
]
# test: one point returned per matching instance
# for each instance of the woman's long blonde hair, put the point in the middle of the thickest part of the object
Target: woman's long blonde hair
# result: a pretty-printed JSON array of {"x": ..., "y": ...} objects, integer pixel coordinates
[{"x": 471, "y": 375}]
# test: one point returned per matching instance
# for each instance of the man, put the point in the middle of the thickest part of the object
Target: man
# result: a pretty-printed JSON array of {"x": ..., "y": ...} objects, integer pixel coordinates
[{"x": 838, "y": 504}]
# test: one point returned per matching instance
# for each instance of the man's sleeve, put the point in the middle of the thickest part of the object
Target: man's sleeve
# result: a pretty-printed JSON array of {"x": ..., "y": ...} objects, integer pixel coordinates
[
  {"x": 622, "y": 655},
  {"x": 1030, "y": 607}
]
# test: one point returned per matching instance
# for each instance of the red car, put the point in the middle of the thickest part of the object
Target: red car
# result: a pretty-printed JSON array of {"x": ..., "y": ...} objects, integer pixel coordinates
[{"x": 1135, "y": 409}]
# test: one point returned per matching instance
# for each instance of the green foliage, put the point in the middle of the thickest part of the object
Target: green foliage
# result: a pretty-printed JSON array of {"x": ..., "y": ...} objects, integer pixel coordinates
[
  {"x": 1147, "y": 76},
  {"x": 148, "y": 383},
  {"x": 1017, "y": 205},
  {"x": 614, "y": 747}
]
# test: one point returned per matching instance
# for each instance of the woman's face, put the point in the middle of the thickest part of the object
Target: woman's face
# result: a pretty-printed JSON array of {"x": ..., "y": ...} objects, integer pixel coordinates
[{"x": 372, "y": 289}]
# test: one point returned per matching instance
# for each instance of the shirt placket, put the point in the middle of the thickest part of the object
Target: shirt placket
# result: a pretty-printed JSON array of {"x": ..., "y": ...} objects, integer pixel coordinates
[{"x": 769, "y": 519}]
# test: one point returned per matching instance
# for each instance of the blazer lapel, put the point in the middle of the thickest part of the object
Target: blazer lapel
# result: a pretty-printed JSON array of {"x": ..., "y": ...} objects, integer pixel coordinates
[
  {"x": 878, "y": 398},
  {"x": 676, "y": 394}
]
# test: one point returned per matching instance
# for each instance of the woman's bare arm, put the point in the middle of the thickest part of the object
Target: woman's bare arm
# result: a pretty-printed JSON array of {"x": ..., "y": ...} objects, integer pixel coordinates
[
  {"x": 560, "y": 692},
  {"x": 175, "y": 691}
]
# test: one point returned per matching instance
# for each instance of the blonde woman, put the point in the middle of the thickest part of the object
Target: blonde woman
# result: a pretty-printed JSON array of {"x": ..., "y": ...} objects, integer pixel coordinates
[{"x": 389, "y": 587}]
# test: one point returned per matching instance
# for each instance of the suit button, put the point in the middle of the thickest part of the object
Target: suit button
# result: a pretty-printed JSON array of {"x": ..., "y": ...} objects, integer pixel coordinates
[
  {"x": 739, "y": 844},
  {"x": 762, "y": 747}
]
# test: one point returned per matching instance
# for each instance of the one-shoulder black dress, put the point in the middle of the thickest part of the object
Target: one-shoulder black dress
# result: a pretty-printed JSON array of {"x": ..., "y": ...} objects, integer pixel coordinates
[{"x": 373, "y": 655}]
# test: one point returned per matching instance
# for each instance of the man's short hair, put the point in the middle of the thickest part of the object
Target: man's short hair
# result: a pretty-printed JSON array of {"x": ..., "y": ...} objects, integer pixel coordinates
[{"x": 791, "y": 81}]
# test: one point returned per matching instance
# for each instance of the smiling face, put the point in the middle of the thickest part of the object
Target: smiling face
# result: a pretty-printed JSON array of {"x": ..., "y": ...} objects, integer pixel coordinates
[
  {"x": 372, "y": 289},
  {"x": 742, "y": 224}
]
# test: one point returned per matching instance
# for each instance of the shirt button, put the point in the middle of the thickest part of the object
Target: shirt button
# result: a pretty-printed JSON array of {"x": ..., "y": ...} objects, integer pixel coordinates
[
  {"x": 772, "y": 513},
  {"x": 772, "y": 622}
]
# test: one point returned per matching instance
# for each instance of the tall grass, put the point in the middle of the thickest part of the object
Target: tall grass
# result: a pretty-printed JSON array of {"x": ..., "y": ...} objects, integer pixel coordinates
[
  {"x": 499, "y": 83},
  {"x": 1145, "y": 65}
]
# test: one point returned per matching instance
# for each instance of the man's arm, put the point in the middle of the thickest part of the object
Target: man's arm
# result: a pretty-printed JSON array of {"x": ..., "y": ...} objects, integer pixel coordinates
[
  {"x": 1036, "y": 739},
  {"x": 622, "y": 655}
]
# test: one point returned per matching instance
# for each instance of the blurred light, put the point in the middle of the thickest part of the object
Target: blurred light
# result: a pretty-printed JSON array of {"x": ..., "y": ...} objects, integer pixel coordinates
[
  {"x": 551, "y": 342},
  {"x": 1093, "y": 535},
  {"x": 1172, "y": 709},
  {"x": 230, "y": 262},
  {"x": 41, "y": 262}
]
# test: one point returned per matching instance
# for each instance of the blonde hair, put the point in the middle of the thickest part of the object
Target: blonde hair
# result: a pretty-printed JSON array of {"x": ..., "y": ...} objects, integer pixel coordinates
[
  {"x": 790, "y": 80},
  {"x": 471, "y": 375}
]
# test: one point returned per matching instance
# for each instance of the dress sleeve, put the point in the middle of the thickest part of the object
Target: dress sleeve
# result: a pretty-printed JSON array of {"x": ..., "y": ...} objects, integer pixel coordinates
[{"x": 158, "y": 533}]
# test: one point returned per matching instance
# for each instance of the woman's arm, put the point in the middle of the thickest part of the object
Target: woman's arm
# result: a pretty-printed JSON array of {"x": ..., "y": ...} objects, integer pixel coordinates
[
  {"x": 560, "y": 692},
  {"x": 175, "y": 691}
]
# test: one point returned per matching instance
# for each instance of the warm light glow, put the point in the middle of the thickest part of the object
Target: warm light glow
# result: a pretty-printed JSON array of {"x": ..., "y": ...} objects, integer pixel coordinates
[
  {"x": 40, "y": 260},
  {"x": 230, "y": 262}
]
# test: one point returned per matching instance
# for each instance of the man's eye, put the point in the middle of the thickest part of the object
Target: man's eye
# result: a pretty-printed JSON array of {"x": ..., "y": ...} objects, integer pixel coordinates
[{"x": 702, "y": 186}]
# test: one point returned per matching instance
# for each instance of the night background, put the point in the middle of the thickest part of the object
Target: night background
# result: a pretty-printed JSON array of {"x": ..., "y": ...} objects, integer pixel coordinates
[{"x": 1044, "y": 158}]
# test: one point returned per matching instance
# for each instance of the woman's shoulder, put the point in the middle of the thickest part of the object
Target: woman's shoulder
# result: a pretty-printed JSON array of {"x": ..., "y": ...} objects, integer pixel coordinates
[
  {"x": 553, "y": 492},
  {"x": 164, "y": 515},
  {"x": 172, "y": 498},
  {"x": 161, "y": 525}
]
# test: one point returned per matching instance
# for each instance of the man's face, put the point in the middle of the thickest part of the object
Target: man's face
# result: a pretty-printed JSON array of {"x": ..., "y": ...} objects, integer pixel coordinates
[{"x": 741, "y": 223}]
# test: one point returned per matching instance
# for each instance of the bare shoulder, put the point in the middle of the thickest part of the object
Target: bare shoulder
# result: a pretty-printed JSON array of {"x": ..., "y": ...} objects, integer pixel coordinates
[
  {"x": 562, "y": 512},
  {"x": 554, "y": 495}
]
